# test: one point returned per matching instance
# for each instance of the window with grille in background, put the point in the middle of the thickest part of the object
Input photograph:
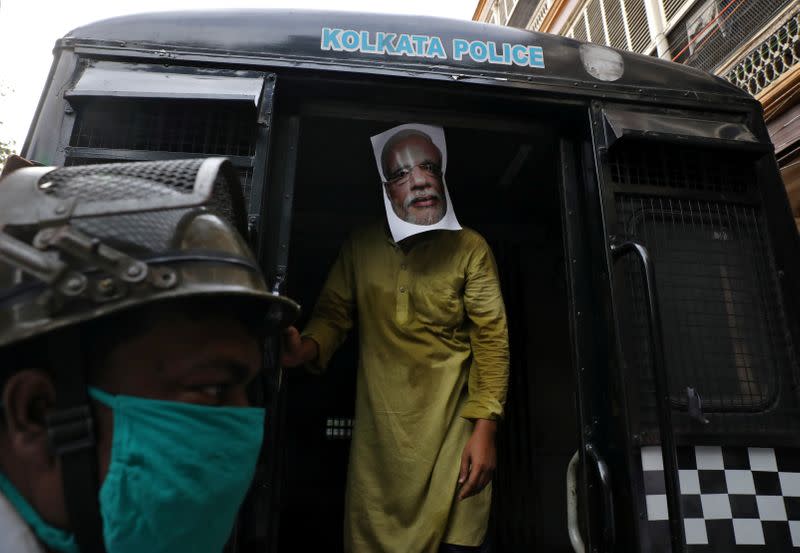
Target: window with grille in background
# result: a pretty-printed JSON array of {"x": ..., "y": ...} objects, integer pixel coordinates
[
  {"x": 672, "y": 7},
  {"x": 579, "y": 28},
  {"x": 617, "y": 23},
  {"x": 711, "y": 30}
]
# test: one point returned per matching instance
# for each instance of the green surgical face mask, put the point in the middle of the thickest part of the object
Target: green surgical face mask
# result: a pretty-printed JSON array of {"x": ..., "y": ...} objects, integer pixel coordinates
[
  {"x": 177, "y": 476},
  {"x": 178, "y": 473}
]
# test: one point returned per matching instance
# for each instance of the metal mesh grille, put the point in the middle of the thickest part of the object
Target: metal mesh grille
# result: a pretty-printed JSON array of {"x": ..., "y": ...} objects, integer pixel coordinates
[
  {"x": 718, "y": 299},
  {"x": 118, "y": 181},
  {"x": 714, "y": 29},
  {"x": 683, "y": 168},
  {"x": 770, "y": 59},
  {"x": 218, "y": 128},
  {"x": 245, "y": 174},
  {"x": 138, "y": 233},
  {"x": 144, "y": 180}
]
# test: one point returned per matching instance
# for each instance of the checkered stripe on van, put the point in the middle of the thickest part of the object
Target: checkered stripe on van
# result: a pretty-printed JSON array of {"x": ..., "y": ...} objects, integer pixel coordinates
[{"x": 730, "y": 496}]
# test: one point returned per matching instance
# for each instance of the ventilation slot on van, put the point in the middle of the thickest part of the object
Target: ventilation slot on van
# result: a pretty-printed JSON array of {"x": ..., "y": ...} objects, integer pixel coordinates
[
  {"x": 111, "y": 129},
  {"x": 194, "y": 127},
  {"x": 718, "y": 297},
  {"x": 689, "y": 168}
]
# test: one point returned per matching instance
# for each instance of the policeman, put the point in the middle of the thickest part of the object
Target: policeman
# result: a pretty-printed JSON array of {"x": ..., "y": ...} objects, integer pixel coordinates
[{"x": 132, "y": 318}]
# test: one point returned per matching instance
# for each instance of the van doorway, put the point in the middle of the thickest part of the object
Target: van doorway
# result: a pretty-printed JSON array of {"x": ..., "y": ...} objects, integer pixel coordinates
[{"x": 503, "y": 176}]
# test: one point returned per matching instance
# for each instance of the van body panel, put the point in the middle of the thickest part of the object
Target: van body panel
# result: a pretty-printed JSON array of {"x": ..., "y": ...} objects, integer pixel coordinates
[{"x": 295, "y": 36}]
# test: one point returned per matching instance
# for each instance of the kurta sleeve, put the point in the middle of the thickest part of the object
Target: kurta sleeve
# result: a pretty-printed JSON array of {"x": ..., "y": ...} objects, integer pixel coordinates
[
  {"x": 332, "y": 317},
  {"x": 483, "y": 300}
]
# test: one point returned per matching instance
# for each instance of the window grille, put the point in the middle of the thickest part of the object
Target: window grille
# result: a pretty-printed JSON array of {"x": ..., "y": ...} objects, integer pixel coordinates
[
  {"x": 117, "y": 129},
  {"x": 167, "y": 126},
  {"x": 508, "y": 9},
  {"x": 500, "y": 12},
  {"x": 672, "y": 7},
  {"x": 538, "y": 16},
  {"x": 711, "y": 31},
  {"x": 724, "y": 329},
  {"x": 580, "y": 29},
  {"x": 637, "y": 24},
  {"x": 718, "y": 301},
  {"x": 615, "y": 24},
  {"x": 679, "y": 168},
  {"x": 618, "y": 23},
  {"x": 770, "y": 59},
  {"x": 595, "y": 19}
]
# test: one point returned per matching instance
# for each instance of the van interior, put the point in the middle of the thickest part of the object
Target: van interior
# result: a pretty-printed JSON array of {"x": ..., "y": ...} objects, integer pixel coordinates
[{"x": 503, "y": 177}]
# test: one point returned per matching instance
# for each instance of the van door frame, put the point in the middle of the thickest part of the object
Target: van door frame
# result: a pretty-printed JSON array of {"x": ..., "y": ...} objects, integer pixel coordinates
[
  {"x": 274, "y": 253},
  {"x": 604, "y": 498}
]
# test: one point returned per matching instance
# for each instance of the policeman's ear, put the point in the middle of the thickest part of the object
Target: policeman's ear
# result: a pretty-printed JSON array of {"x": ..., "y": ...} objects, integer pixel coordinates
[{"x": 27, "y": 397}]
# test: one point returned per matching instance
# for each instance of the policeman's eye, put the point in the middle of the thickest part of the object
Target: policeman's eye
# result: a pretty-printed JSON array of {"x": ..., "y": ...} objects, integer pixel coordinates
[{"x": 214, "y": 391}]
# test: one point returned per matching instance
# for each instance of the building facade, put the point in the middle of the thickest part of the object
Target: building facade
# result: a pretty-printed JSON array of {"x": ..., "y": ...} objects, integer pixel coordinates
[{"x": 755, "y": 44}]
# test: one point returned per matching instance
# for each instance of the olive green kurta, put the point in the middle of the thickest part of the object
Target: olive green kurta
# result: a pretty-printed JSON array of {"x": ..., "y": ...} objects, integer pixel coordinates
[{"x": 433, "y": 354}]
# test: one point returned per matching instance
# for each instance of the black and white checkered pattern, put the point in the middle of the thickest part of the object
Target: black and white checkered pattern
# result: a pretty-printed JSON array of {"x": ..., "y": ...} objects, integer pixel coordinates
[{"x": 730, "y": 496}]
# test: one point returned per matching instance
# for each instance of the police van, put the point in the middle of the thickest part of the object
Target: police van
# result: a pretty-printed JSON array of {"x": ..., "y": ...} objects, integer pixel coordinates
[{"x": 648, "y": 259}]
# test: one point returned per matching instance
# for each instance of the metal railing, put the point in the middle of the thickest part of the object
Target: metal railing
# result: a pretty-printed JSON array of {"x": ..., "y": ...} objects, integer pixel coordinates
[{"x": 711, "y": 31}]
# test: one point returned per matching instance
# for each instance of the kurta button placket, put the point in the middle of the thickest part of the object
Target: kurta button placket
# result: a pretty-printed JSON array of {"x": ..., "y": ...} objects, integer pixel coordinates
[{"x": 402, "y": 297}]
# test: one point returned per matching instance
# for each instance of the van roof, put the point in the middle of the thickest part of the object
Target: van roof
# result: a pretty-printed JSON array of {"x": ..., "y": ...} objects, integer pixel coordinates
[{"x": 440, "y": 47}]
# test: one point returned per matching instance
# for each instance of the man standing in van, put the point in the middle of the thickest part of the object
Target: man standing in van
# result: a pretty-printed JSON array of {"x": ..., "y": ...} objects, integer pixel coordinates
[{"x": 433, "y": 366}]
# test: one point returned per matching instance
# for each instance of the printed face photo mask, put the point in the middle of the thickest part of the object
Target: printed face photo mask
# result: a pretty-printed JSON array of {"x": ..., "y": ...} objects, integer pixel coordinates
[{"x": 411, "y": 161}]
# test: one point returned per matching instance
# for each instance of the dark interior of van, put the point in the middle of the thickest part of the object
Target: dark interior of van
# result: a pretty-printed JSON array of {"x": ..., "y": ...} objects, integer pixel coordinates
[{"x": 503, "y": 178}]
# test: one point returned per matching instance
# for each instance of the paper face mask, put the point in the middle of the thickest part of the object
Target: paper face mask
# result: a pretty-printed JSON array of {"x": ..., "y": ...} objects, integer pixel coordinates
[{"x": 411, "y": 162}]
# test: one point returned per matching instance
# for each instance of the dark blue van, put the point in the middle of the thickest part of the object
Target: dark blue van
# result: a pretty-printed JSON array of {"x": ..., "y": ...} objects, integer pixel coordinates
[{"x": 648, "y": 257}]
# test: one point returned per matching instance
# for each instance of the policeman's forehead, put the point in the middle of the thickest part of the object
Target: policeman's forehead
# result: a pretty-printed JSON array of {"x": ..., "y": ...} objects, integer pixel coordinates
[
  {"x": 411, "y": 150},
  {"x": 176, "y": 354},
  {"x": 182, "y": 335}
]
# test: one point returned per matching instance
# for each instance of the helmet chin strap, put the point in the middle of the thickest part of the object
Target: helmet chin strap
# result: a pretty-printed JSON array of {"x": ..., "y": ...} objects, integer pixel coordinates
[{"x": 71, "y": 435}]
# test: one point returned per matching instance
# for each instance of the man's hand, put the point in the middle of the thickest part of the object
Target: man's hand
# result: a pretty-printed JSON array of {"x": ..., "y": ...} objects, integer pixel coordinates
[
  {"x": 478, "y": 460},
  {"x": 295, "y": 350}
]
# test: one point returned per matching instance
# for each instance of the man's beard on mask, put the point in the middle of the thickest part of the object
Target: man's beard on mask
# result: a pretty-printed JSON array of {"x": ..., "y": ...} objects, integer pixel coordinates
[{"x": 427, "y": 216}]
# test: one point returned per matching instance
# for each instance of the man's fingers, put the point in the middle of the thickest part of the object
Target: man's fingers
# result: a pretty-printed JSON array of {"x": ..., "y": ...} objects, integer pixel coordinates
[
  {"x": 471, "y": 486},
  {"x": 290, "y": 346},
  {"x": 291, "y": 336},
  {"x": 462, "y": 474},
  {"x": 482, "y": 477},
  {"x": 486, "y": 477}
]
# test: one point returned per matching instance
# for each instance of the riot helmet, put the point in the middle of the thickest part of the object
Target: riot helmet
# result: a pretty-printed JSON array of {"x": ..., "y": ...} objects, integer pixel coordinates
[{"x": 81, "y": 243}]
